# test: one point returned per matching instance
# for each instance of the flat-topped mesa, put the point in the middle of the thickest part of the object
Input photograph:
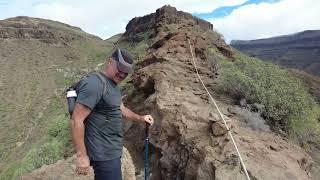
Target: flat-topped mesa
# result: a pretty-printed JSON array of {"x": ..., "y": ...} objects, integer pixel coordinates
[
  {"x": 44, "y": 30},
  {"x": 164, "y": 16}
]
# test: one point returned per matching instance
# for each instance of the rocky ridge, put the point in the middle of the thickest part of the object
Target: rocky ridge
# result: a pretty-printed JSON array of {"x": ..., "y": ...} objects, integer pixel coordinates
[{"x": 188, "y": 139}]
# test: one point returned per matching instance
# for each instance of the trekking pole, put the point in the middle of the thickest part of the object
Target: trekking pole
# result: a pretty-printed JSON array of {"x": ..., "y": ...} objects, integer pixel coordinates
[{"x": 146, "y": 173}]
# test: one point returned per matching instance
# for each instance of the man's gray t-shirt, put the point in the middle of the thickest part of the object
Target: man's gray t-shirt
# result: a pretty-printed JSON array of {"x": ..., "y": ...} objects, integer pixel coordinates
[{"x": 103, "y": 126}]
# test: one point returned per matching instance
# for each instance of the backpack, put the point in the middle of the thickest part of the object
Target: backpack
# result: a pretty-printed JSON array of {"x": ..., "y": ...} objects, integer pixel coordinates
[{"x": 72, "y": 91}]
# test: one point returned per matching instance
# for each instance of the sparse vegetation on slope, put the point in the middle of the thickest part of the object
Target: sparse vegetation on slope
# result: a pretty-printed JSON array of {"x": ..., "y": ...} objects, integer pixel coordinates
[
  {"x": 34, "y": 74},
  {"x": 51, "y": 147},
  {"x": 285, "y": 101}
]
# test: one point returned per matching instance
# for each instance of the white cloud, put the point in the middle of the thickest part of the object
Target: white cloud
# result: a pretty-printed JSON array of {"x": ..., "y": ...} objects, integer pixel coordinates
[
  {"x": 98, "y": 17},
  {"x": 266, "y": 20},
  {"x": 206, "y": 6},
  {"x": 106, "y": 18}
]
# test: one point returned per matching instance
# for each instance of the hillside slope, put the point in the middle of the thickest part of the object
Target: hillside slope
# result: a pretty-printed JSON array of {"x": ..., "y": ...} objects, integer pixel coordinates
[
  {"x": 38, "y": 58},
  {"x": 300, "y": 50}
]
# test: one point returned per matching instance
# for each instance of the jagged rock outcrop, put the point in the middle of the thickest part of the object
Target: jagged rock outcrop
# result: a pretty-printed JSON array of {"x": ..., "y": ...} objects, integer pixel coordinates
[
  {"x": 300, "y": 50},
  {"x": 166, "y": 15},
  {"x": 169, "y": 24},
  {"x": 183, "y": 144}
]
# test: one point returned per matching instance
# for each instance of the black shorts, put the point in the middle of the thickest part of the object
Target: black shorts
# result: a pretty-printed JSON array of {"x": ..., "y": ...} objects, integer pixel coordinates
[{"x": 107, "y": 170}]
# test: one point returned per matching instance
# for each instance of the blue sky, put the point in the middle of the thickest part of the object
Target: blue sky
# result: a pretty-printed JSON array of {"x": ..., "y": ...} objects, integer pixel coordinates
[
  {"x": 234, "y": 19},
  {"x": 226, "y": 10}
]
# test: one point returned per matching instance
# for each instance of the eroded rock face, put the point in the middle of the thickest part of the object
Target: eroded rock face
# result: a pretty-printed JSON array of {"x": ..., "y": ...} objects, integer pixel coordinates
[
  {"x": 187, "y": 147},
  {"x": 65, "y": 170},
  {"x": 166, "y": 15},
  {"x": 188, "y": 139}
]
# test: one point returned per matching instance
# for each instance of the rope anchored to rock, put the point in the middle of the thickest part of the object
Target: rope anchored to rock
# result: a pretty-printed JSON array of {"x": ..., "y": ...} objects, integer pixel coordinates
[{"x": 224, "y": 121}]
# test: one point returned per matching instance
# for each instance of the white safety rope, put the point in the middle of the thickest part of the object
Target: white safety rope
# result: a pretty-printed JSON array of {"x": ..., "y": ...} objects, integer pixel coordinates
[{"x": 224, "y": 121}]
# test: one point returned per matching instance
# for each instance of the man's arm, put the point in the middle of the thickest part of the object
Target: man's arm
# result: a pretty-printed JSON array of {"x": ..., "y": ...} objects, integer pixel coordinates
[
  {"x": 128, "y": 114},
  {"x": 80, "y": 113}
]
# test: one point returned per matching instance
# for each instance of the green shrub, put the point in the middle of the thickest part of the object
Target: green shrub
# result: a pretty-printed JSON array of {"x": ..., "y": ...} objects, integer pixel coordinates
[
  {"x": 283, "y": 96},
  {"x": 306, "y": 128}
]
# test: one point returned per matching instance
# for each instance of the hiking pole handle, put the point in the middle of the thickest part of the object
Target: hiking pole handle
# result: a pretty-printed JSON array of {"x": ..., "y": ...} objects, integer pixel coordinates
[{"x": 147, "y": 129}]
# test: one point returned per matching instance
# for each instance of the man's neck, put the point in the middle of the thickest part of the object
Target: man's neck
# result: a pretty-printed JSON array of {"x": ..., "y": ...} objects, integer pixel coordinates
[{"x": 108, "y": 75}]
